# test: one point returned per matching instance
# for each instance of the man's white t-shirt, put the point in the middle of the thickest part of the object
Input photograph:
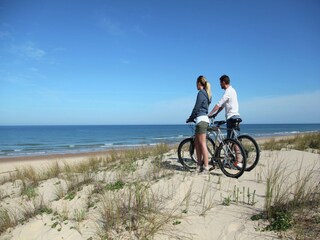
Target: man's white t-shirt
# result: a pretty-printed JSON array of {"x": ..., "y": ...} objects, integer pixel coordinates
[{"x": 230, "y": 102}]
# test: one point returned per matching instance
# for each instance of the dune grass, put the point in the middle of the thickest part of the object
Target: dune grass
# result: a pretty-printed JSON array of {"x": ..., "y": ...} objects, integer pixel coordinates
[
  {"x": 135, "y": 212},
  {"x": 299, "y": 142},
  {"x": 138, "y": 206},
  {"x": 7, "y": 220},
  {"x": 129, "y": 209},
  {"x": 288, "y": 201}
]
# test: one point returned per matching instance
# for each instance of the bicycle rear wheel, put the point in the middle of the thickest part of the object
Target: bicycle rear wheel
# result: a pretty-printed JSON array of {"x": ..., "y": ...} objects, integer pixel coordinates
[
  {"x": 251, "y": 149},
  {"x": 211, "y": 149},
  {"x": 228, "y": 155},
  {"x": 186, "y": 152}
]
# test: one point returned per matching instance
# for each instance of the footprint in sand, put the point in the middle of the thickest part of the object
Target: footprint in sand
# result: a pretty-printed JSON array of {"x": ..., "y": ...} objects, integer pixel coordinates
[{"x": 232, "y": 231}]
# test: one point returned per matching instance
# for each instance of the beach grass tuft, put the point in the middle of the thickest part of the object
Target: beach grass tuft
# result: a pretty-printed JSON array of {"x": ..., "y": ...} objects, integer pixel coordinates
[
  {"x": 284, "y": 198},
  {"x": 134, "y": 211},
  {"x": 128, "y": 206},
  {"x": 299, "y": 142},
  {"x": 7, "y": 220}
]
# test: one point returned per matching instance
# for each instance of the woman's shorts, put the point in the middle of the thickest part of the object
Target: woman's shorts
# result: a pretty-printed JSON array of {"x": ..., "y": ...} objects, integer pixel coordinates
[{"x": 201, "y": 127}]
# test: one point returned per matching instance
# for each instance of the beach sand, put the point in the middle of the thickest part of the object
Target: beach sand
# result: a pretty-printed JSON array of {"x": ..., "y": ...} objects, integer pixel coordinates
[{"x": 199, "y": 206}]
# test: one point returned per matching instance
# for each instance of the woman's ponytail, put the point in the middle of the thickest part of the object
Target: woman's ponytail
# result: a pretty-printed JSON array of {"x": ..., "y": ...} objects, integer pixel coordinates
[
  {"x": 208, "y": 90},
  {"x": 207, "y": 86}
]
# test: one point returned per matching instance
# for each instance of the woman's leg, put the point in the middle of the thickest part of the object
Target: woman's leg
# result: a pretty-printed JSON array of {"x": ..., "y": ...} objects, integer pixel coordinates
[
  {"x": 198, "y": 149},
  {"x": 203, "y": 148}
]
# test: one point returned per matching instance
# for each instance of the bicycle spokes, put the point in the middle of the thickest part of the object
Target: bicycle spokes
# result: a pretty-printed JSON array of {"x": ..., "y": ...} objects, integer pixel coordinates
[
  {"x": 186, "y": 153},
  {"x": 231, "y": 158},
  {"x": 251, "y": 149}
]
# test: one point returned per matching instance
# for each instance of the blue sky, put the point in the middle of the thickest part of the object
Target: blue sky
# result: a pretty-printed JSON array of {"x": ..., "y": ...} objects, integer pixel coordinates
[{"x": 136, "y": 62}]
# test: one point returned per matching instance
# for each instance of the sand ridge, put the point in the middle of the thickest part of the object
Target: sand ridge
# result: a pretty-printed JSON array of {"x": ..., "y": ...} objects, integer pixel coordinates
[{"x": 196, "y": 202}]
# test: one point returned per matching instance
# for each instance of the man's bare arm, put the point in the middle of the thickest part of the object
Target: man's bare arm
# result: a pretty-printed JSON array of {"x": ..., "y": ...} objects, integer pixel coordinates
[{"x": 215, "y": 111}]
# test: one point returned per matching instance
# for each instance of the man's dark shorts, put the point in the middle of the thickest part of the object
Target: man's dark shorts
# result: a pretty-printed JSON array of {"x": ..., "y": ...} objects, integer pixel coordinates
[{"x": 230, "y": 125}]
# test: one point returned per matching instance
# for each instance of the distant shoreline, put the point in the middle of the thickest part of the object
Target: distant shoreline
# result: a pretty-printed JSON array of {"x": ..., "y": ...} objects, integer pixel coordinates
[
  {"x": 140, "y": 124},
  {"x": 89, "y": 154}
]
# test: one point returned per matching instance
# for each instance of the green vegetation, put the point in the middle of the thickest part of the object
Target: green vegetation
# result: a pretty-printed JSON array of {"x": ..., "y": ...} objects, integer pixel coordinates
[
  {"x": 140, "y": 210},
  {"x": 127, "y": 205},
  {"x": 6, "y": 220},
  {"x": 70, "y": 195},
  {"x": 227, "y": 201},
  {"x": 136, "y": 209},
  {"x": 281, "y": 221},
  {"x": 299, "y": 142},
  {"x": 115, "y": 186},
  {"x": 286, "y": 202},
  {"x": 29, "y": 191}
]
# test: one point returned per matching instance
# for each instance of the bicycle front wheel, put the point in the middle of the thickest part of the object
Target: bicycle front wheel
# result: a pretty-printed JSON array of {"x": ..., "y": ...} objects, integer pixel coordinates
[
  {"x": 251, "y": 149},
  {"x": 231, "y": 158},
  {"x": 186, "y": 152}
]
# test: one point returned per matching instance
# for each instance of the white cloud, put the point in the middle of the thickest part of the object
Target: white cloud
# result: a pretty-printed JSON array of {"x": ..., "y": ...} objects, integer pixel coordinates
[
  {"x": 5, "y": 34},
  {"x": 29, "y": 50},
  {"x": 111, "y": 27},
  {"x": 296, "y": 108},
  {"x": 60, "y": 49},
  {"x": 125, "y": 61},
  {"x": 137, "y": 29}
]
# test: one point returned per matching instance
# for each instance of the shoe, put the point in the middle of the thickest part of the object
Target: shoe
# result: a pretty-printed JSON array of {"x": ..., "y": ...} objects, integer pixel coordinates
[
  {"x": 238, "y": 164},
  {"x": 199, "y": 168},
  {"x": 205, "y": 170}
]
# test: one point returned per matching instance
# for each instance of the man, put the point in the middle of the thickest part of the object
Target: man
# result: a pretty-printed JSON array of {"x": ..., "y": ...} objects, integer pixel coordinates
[{"x": 229, "y": 101}]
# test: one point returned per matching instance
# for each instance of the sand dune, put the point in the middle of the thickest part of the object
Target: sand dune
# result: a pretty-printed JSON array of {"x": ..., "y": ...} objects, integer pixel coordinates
[{"x": 188, "y": 205}]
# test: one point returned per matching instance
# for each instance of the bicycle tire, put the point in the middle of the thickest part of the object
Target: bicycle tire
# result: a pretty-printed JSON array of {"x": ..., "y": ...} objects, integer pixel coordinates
[
  {"x": 188, "y": 144},
  {"x": 252, "y": 151},
  {"x": 227, "y": 155},
  {"x": 211, "y": 146},
  {"x": 185, "y": 152},
  {"x": 211, "y": 149}
]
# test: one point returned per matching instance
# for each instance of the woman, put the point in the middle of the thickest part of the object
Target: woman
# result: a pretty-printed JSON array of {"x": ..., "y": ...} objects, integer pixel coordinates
[{"x": 200, "y": 116}]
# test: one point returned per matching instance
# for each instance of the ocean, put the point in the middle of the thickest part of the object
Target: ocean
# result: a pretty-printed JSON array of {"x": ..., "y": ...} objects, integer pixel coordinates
[{"x": 44, "y": 140}]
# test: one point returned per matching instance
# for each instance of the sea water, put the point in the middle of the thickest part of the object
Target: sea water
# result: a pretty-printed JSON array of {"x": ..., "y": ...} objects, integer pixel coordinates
[{"x": 44, "y": 140}]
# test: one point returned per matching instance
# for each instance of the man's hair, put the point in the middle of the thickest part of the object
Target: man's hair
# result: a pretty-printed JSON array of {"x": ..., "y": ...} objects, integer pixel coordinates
[{"x": 225, "y": 79}]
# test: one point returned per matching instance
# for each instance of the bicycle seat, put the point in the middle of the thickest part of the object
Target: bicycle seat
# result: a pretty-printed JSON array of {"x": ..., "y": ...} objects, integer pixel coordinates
[
  {"x": 219, "y": 123},
  {"x": 236, "y": 120},
  {"x": 235, "y": 123},
  {"x": 212, "y": 129}
]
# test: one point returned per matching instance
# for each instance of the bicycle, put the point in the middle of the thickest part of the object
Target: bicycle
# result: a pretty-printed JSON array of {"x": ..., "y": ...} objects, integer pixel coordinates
[
  {"x": 227, "y": 153},
  {"x": 248, "y": 143}
]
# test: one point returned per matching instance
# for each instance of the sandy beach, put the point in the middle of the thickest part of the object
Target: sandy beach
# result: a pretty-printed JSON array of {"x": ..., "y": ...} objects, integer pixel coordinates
[{"x": 72, "y": 204}]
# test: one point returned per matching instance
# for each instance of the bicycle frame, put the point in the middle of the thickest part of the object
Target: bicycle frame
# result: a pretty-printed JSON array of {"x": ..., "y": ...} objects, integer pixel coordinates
[
  {"x": 225, "y": 152},
  {"x": 235, "y": 132},
  {"x": 248, "y": 143}
]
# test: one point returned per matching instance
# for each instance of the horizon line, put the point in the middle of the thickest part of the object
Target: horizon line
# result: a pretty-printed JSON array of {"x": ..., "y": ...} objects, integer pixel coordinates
[{"x": 127, "y": 124}]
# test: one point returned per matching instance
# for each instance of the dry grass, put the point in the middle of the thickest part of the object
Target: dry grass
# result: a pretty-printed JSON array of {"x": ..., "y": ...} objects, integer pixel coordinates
[
  {"x": 282, "y": 195},
  {"x": 27, "y": 209},
  {"x": 288, "y": 195},
  {"x": 299, "y": 142},
  {"x": 7, "y": 219},
  {"x": 131, "y": 209},
  {"x": 134, "y": 212},
  {"x": 206, "y": 199}
]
